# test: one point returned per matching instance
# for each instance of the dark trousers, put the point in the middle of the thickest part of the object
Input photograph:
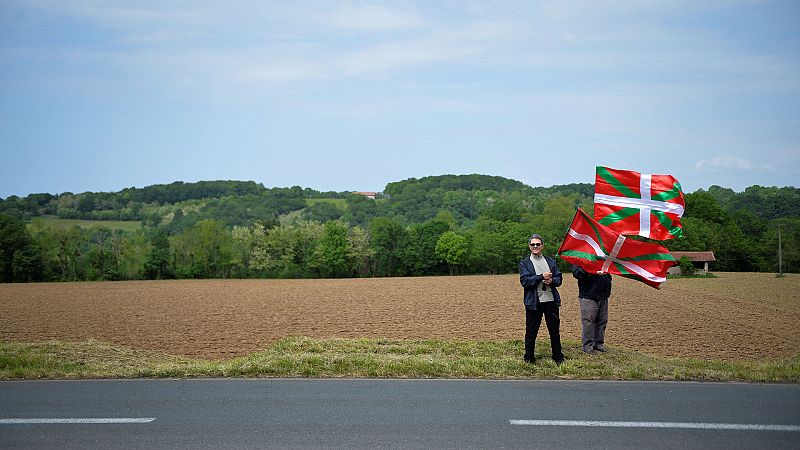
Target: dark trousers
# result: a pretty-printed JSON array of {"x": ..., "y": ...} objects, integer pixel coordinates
[{"x": 533, "y": 318}]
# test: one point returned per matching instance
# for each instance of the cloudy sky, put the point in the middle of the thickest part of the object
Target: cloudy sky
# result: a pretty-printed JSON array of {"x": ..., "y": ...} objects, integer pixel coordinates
[{"x": 102, "y": 95}]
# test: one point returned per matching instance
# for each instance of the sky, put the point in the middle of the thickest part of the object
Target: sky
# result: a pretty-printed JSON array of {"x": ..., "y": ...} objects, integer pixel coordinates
[{"x": 339, "y": 96}]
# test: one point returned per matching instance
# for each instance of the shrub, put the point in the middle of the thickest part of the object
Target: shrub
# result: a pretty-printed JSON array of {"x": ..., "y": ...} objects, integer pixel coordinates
[{"x": 686, "y": 265}]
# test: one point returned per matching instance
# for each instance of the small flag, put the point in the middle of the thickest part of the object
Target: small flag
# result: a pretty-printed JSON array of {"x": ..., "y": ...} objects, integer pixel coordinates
[
  {"x": 599, "y": 249},
  {"x": 630, "y": 202}
]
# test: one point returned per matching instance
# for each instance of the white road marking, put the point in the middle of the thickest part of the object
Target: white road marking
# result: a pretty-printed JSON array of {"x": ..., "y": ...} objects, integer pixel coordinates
[
  {"x": 101, "y": 420},
  {"x": 691, "y": 425}
]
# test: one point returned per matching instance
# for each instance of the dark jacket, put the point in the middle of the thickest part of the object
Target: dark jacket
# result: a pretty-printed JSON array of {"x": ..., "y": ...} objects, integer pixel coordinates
[
  {"x": 592, "y": 286},
  {"x": 530, "y": 281}
]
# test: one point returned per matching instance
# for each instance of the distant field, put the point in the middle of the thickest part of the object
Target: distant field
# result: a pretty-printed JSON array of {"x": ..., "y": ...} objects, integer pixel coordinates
[
  {"x": 735, "y": 317},
  {"x": 337, "y": 202},
  {"x": 125, "y": 225}
]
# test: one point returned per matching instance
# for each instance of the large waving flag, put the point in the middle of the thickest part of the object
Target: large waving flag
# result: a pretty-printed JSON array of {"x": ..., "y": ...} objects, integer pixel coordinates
[
  {"x": 599, "y": 249},
  {"x": 630, "y": 202}
]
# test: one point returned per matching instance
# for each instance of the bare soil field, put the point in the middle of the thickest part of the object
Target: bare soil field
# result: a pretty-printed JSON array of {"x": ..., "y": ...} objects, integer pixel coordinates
[{"x": 738, "y": 316}]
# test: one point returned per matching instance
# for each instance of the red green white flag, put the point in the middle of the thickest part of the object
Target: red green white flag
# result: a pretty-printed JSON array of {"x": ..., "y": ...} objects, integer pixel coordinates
[
  {"x": 599, "y": 249},
  {"x": 630, "y": 202}
]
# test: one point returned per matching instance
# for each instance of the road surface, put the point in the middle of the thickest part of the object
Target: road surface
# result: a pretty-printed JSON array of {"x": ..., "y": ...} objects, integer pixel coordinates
[{"x": 359, "y": 413}]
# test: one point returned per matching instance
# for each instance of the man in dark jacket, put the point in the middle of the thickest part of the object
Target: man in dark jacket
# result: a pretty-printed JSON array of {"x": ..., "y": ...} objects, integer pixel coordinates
[
  {"x": 539, "y": 277},
  {"x": 593, "y": 292}
]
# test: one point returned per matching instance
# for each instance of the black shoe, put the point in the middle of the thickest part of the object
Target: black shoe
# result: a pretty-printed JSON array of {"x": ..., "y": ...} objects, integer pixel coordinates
[
  {"x": 600, "y": 349},
  {"x": 530, "y": 360},
  {"x": 559, "y": 361}
]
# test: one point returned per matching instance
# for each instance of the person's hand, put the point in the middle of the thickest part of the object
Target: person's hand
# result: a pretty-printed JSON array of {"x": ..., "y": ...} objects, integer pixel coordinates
[{"x": 548, "y": 277}]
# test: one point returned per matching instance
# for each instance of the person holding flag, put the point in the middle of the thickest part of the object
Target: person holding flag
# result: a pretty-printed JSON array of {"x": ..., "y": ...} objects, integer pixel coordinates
[
  {"x": 593, "y": 293},
  {"x": 625, "y": 203},
  {"x": 540, "y": 278}
]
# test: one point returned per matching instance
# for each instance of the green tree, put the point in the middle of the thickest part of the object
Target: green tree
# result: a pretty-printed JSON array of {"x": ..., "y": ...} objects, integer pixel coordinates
[
  {"x": 72, "y": 246},
  {"x": 790, "y": 246},
  {"x": 203, "y": 251},
  {"x": 100, "y": 261},
  {"x": 131, "y": 248},
  {"x": 361, "y": 210},
  {"x": 452, "y": 248},
  {"x": 418, "y": 249},
  {"x": 157, "y": 263},
  {"x": 552, "y": 224},
  {"x": 20, "y": 259},
  {"x": 330, "y": 256},
  {"x": 272, "y": 248},
  {"x": 27, "y": 264},
  {"x": 702, "y": 205},
  {"x": 322, "y": 212},
  {"x": 698, "y": 235},
  {"x": 304, "y": 239},
  {"x": 487, "y": 253},
  {"x": 285, "y": 251},
  {"x": 359, "y": 252},
  {"x": 386, "y": 236},
  {"x": 505, "y": 211},
  {"x": 242, "y": 251}
]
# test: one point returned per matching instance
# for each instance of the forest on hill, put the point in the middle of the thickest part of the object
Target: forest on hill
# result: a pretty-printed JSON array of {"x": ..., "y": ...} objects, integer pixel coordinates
[{"x": 448, "y": 224}]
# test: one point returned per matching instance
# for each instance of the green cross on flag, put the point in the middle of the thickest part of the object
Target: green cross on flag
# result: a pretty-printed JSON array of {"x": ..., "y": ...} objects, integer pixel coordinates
[
  {"x": 599, "y": 249},
  {"x": 632, "y": 203}
]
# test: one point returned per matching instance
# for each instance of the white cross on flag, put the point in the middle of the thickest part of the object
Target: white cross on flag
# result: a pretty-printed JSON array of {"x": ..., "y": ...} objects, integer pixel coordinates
[
  {"x": 630, "y": 202},
  {"x": 598, "y": 249}
]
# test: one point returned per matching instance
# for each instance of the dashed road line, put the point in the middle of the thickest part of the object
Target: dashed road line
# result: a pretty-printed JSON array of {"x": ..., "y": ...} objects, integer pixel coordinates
[
  {"x": 685, "y": 425},
  {"x": 74, "y": 420}
]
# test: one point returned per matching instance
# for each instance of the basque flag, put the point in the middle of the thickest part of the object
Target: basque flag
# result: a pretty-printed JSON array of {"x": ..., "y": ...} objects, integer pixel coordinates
[
  {"x": 599, "y": 249},
  {"x": 630, "y": 202}
]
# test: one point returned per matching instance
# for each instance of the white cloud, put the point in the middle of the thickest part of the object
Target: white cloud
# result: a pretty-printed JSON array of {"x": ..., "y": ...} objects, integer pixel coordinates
[
  {"x": 278, "y": 72},
  {"x": 454, "y": 44},
  {"x": 579, "y": 39},
  {"x": 159, "y": 36},
  {"x": 371, "y": 18},
  {"x": 124, "y": 13},
  {"x": 725, "y": 162}
]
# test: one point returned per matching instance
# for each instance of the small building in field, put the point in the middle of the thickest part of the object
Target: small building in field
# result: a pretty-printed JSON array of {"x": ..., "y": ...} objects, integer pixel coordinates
[
  {"x": 370, "y": 195},
  {"x": 699, "y": 259}
]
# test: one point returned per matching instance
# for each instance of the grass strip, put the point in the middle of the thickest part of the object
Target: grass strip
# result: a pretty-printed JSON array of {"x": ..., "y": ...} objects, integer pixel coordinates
[{"x": 378, "y": 358}]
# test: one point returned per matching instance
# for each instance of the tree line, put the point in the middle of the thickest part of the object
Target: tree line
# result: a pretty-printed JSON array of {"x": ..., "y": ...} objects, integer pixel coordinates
[{"x": 467, "y": 224}]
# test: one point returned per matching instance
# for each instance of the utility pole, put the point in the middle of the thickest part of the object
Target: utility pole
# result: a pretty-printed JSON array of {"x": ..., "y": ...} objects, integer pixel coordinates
[{"x": 780, "y": 253}]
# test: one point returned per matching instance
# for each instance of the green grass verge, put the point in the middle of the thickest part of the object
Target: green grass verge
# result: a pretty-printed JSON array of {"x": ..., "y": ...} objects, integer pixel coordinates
[{"x": 379, "y": 358}]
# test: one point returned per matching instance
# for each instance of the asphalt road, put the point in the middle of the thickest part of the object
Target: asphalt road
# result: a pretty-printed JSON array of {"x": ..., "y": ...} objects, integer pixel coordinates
[{"x": 356, "y": 413}]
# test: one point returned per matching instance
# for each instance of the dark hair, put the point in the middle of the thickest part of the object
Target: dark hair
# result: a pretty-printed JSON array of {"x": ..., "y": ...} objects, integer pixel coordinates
[{"x": 535, "y": 236}]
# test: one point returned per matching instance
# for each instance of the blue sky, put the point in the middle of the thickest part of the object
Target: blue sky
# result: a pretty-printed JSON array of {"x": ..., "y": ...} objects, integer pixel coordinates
[{"x": 103, "y": 95}]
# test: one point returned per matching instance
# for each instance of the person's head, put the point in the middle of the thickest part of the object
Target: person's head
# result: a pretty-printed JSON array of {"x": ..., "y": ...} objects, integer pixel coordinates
[{"x": 535, "y": 243}]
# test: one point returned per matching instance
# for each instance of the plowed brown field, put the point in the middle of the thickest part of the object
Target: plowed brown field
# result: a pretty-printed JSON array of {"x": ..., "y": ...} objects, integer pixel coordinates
[{"x": 733, "y": 317}]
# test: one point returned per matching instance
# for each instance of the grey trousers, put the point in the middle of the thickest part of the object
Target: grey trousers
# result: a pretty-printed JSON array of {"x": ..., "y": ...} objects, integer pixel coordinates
[{"x": 594, "y": 317}]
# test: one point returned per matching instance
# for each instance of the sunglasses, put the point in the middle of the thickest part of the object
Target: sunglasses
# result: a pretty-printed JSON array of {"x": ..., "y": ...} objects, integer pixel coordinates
[{"x": 535, "y": 245}]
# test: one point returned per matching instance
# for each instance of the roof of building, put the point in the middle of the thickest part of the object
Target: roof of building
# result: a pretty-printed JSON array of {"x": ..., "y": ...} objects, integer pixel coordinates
[{"x": 695, "y": 256}]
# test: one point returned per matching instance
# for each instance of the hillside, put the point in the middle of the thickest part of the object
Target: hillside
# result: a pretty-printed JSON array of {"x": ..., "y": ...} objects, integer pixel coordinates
[{"x": 434, "y": 225}]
